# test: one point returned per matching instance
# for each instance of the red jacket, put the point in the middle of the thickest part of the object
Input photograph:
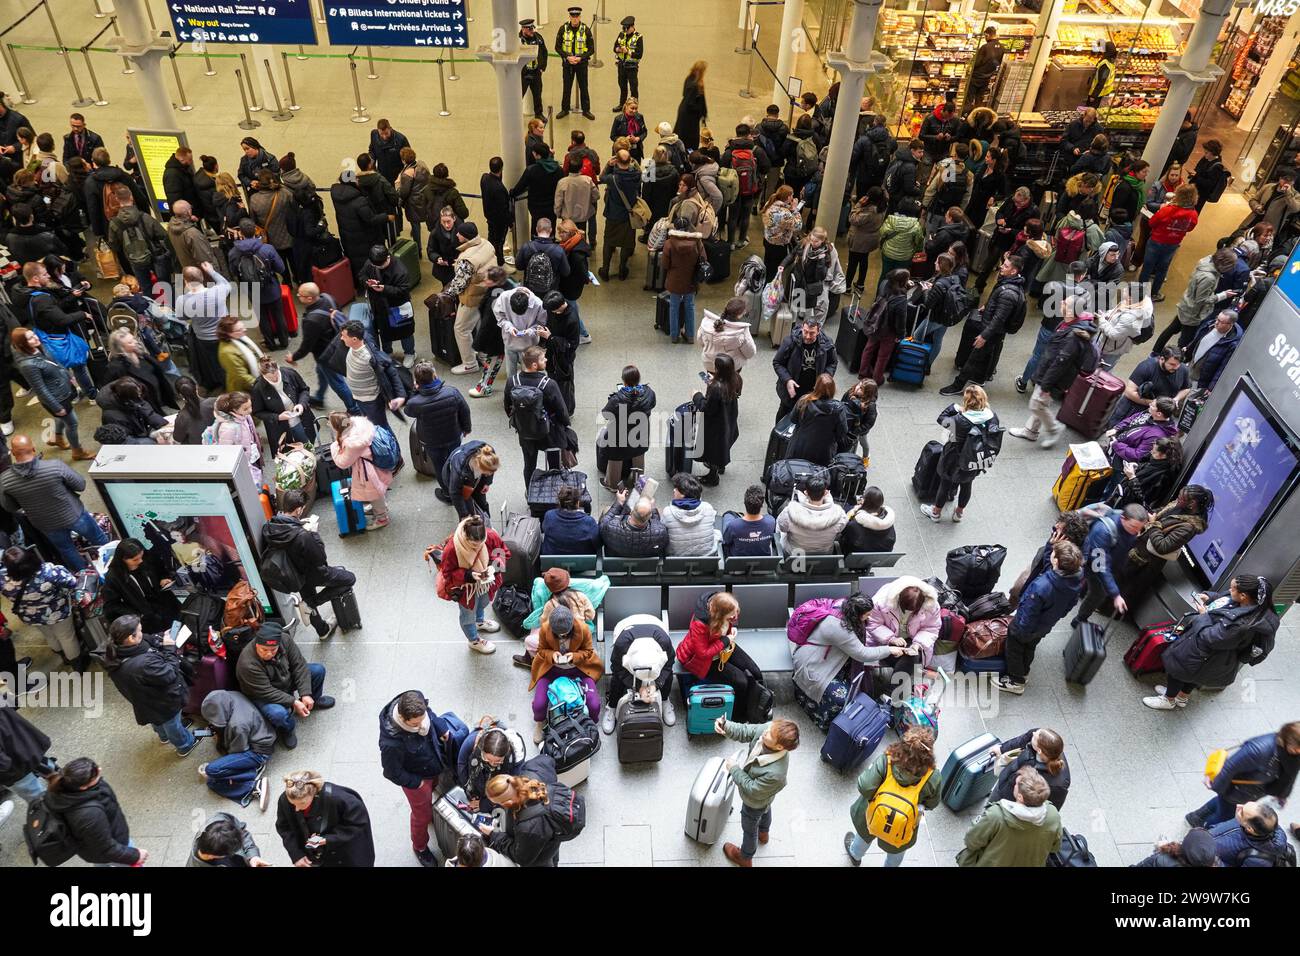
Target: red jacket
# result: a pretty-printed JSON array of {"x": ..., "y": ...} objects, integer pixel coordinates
[
  {"x": 451, "y": 576},
  {"x": 698, "y": 648},
  {"x": 1171, "y": 223}
]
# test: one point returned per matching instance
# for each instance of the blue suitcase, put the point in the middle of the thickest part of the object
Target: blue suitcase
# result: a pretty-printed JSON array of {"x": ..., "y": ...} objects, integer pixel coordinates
[
  {"x": 857, "y": 731},
  {"x": 705, "y": 703},
  {"x": 969, "y": 773},
  {"x": 910, "y": 363},
  {"x": 985, "y": 665},
  {"x": 350, "y": 515}
]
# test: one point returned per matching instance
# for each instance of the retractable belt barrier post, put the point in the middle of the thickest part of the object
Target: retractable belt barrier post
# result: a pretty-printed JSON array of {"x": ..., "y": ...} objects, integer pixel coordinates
[
  {"x": 451, "y": 50},
  {"x": 442, "y": 90},
  {"x": 358, "y": 111},
  {"x": 281, "y": 114},
  {"x": 27, "y": 98},
  {"x": 253, "y": 105},
  {"x": 247, "y": 122},
  {"x": 370, "y": 60},
  {"x": 185, "y": 106},
  {"x": 288, "y": 82}
]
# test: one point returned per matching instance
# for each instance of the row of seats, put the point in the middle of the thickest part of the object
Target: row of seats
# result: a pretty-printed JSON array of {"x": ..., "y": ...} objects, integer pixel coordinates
[
  {"x": 718, "y": 568},
  {"x": 764, "y": 612}
]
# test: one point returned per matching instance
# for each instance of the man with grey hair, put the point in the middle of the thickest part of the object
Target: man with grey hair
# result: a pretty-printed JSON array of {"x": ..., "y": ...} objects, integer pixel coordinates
[
  {"x": 635, "y": 532},
  {"x": 188, "y": 239},
  {"x": 203, "y": 306}
]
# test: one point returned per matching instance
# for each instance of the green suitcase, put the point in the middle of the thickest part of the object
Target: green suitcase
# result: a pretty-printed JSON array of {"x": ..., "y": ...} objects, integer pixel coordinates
[{"x": 408, "y": 254}]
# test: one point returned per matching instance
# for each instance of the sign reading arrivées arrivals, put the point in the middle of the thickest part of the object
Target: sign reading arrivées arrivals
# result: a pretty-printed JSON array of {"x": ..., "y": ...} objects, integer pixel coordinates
[{"x": 397, "y": 23}]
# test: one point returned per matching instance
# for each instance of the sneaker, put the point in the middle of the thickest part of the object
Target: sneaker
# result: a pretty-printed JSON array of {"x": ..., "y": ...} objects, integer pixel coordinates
[
  {"x": 1021, "y": 385},
  {"x": 539, "y": 731},
  {"x": 442, "y": 496},
  {"x": 332, "y": 629},
  {"x": 408, "y": 361},
  {"x": 186, "y": 751},
  {"x": 1024, "y": 433},
  {"x": 929, "y": 512},
  {"x": 617, "y": 109},
  {"x": 482, "y": 647},
  {"x": 426, "y": 857},
  {"x": 489, "y": 625},
  {"x": 378, "y": 523},
  {"x": 1052, "y": 437},
  {"x": 1007, "y": 685},
  {"x": 324, "y": 702},
  {"x": 585, "y": 339},
  {"x": 1159, "y": 702},
  {"x": 290, "y": 740},
  {"x": 955, "y": 388},
  {"x": 1158, "y": 297},
  {"x": 848, "y": 842},
  {"x": 480, "y": 391},
  {"x": 7, "y": 428},
  {"x": 6, "y": 810},
  {"x": 263, "y": 791},
  {"x": 466, "y": 368},
  {"x": 687, "y": 340},
  {"x": 203, "y": 772},
  {"x": 1194, "y": 820},
  {"x": 1179, "y": 701},
  {"x": 957, "y": 515},
  {"x": 608, "y": 720},
  {"x": 669, "y": 713}
]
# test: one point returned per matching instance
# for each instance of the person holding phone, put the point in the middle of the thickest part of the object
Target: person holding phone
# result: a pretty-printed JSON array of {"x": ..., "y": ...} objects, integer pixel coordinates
[
  {"x": 564, "y": 649},
  {"x": 323, "y": 824},
  {"x": 281, "y": 400},
  {"x": 134, "y": 586}
]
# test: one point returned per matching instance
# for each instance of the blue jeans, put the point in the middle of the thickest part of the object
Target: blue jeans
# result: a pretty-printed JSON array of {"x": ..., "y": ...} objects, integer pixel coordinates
[
  {"x": 233, "y": 775},
  {"x": 82, "y": 375},
  {"x": 29, "y": 787},
  {"x": 331, "y": 379},
  {"x": 471, "y": 618},
  {"x": 752, "y": 821},
  {"x": 687, "y": 304},
  {"x": 283, "y": 718},
  {"x": 573, "y": 307},
  {"x": 1217, "y": 810},
  {"x": 931, "y": 333},
  {"x": 1155, "y": 264},
  {"x": 62, "y": 540},
  {"x": 858, "y": 849},
  {"x": 1040, "y": 346},
  {"x": 66, "y": 424},
  {"x": 172, "y": 731}
]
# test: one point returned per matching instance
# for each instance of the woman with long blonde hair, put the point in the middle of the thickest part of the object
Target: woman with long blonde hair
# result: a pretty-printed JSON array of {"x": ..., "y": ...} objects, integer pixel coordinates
[
  {"x": 534, "y": 805},
  {"x": 693, "y": 109}
]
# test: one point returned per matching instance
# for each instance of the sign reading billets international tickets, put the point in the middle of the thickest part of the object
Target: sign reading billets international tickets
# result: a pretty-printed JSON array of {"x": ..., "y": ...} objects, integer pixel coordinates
[
  {"x": 397, "y": 23},
  {"x": 268, "y": 21}
]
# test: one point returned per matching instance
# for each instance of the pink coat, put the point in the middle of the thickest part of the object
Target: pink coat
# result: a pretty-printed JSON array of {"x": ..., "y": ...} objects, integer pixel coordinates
[
  {"x": 368, "y": 482},
  {"x": 922, "y": 626},
  {"x": 242, "y": 431}
]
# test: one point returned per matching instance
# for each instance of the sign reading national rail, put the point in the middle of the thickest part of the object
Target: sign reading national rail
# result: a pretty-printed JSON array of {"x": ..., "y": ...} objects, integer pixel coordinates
[
  {"x": 272, "y": 21},
  {"x": 398, "y": 23}
]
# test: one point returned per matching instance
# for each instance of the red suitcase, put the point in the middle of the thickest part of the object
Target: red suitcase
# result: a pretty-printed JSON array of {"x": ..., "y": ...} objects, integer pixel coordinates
[
  {"x": 1089, "y": 402},
  {"x": 1146, "y": 654},
  {"x": 211, "y": 673},
  {"x": 290, "y": 309},
  {"x": 337, "y": 281}
]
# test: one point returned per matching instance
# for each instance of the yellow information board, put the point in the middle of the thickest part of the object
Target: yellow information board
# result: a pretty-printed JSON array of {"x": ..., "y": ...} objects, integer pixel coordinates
[{"x": 153, "y": 147}]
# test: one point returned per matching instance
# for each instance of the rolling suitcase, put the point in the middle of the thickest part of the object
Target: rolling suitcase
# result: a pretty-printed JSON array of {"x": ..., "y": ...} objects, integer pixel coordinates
[
  {"x": 786, "y": 477},
  {"x": 777, "y": 444},
  {"x": 210, "y": 673},
  {"x": 1089, "y": 402},
  {"x": 710, "y": 802},
  {"x": 925, "y": 474},
  {"x": 346, "y": 612},
  {"x": 442, "y": 328},
  {"x": 522, "y": 535},
  {"x": 545, "y": 487},
  {"x": 571, "y": 742},
  {"x": 969, "y": 773},
  {"x": 91, "y": 629},
  {"x": 849, "y": 340},
  {"x": 350, "y": 515},
  {"x": 640, "y": 731},
  {"x": 782, "y": 325},
  {"x": 1192, "y": 406},
  {"x": 910, "y": 363},
  {"x": 654, "y": 276},
  {"x": 422, "y": 462},
  {"x": 719, "y": 255},
  {"x": 680, "y": 439},
  {"x": 97, "y": 360},
  {"x": 1146, "y": 654},
  {"x": 981, "y": 665},
  {"x": 451, "y": 821},
  {"x": 705, "y": 703},
  {"x": 1084, "y": 467},
  {"x": 290, "y": 308},
  {"x": 407, "y": 253},
  {"x": 662, "y": 313},
  {"x": 336, "y": 280},
  {"x": 848, "y": 477},
  {"x": 857, "y": 731},
  {"x": 1085, "y": 652}
]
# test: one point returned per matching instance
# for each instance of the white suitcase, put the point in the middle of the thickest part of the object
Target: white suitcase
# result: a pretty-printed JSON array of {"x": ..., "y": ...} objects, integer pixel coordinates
[{"x": 710, "y": 803}]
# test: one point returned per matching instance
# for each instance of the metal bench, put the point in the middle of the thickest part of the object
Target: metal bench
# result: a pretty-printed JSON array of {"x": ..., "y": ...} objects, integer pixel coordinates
[
  {"x": 833, "y": 590},
  {"x": 869, "y": 585},
  {"x": 630, "y": 570},
  {"x": 745, "y": 568},
  {"x": 862, "y": 562},
  {"x": 578, "y": 565}
]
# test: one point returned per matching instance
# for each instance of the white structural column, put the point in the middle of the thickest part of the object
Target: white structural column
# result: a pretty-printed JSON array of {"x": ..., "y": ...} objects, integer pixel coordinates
[
  {"x": 145, "y": 48},
  {"x": 507, "y": 56},
  {"x": 791, "y": 20},
  {"x": 1270, "y": 78},
  {"x": 855, "y": 64},
  {"x": 1186, "y": 73},
  {"x": 1049, "y": 22}
]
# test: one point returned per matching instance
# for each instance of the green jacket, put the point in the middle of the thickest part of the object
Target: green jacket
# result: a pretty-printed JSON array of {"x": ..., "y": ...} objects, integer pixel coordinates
[
  {"x": 1001, "y": 838},
  {"x": 901, "y": 237},
  {"x": 869, "y": 781},
  {"x": 761, "y": 779}
]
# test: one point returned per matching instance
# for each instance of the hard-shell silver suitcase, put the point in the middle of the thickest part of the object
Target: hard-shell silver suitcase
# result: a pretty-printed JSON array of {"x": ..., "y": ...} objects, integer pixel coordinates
[
  {"x": 710, "y": 802},
  {"x": 450, "y": 822}
]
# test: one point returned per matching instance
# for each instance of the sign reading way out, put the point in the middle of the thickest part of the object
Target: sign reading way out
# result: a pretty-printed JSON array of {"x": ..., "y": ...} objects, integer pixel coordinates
[
  {"x": 397, "y": 23},
  {"x": 270, "y": 21}
]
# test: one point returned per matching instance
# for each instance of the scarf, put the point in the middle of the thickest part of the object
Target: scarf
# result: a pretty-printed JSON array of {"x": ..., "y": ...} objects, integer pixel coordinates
[
  {"x": 690, "y": 504},
  {"x": 1139, "y": 187},
  {"x": 422, "y": 730},
  {"x": 568, "y": 244},
  {"x": 250, "y": 351},
  {"x": 472, "y": 556}
]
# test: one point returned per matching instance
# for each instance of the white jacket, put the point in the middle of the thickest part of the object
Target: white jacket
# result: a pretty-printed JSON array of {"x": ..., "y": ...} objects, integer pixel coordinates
[
  {"x": 1119, "y": 327},
  {"x": 811, "y": 528},
  {"x": 519, "y": 331},
  {"x": 735, "y": 340}
]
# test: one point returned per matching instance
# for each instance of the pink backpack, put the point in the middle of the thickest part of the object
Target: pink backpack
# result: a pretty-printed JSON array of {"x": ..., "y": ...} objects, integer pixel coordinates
[{"x": 808, "y": 615}]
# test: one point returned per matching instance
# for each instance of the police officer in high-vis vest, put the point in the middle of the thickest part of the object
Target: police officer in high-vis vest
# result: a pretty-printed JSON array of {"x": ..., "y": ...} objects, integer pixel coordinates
[
  {"x": 533, "y": 69},
  {"x": 575, "y": 44},
  {"x": 629, "y": 47}
]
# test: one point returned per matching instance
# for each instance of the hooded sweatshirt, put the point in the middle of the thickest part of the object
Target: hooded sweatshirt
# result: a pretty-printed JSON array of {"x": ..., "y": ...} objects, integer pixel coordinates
[
  {"x": 519, "y": 331},
  {"x": 1198, "y": 299},
  {"x": 811, "y": 527},
  {"x": 1011, "y": 834},
  {"x": 245, "y": 727}
]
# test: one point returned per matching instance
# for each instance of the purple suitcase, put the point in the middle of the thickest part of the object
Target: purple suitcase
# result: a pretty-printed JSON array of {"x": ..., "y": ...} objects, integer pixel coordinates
[{"x": 211, "y": 673}]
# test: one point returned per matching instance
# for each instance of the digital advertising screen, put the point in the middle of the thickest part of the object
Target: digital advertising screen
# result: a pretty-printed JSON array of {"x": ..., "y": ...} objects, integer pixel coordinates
[{"x": 1250, "y": 463}]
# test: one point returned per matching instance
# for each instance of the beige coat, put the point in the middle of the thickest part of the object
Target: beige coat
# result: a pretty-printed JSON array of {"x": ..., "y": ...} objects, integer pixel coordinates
[{"x": 576, "y": 198}]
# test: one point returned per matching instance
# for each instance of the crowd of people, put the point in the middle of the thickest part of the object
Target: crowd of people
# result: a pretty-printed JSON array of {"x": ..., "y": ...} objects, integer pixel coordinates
[{"x": 958, "y": 242}]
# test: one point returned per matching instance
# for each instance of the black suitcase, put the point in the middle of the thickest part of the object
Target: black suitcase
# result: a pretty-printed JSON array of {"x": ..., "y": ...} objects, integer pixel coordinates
[
  {"x": 1085, "y": 653},
  {"x": 1074, "y": 852},
  {"x": 654, "y": 276},
  {"x": 785, "y": 477},
  {"x": 640, "y": 732},
  {"x": 848, "y": 477},
  {"x": 777, "y": 444},
  {"x": 719, "y": 255},
  {"x": 849, "y": 340},
  {"x": 925, "y": 476},
  {"x": 422, "y": 462},
  {"x": 442, "y": 328},
  {"x": 522, "y": 535},
  {"x": 662, "y": 305},
  {"x": 346, "y": 612},
  {"x": 681, "y": 436},
  {"x": 545, "y": 487}
]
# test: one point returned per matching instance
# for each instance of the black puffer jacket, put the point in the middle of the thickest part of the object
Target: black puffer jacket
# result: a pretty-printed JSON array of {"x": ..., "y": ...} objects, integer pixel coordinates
[
  {"x": 148, "y": 675},
  {"x": 441, "y": 414},
  {"x": 359, "y": 224},
  {"x": 306, "y": 549},
  {"x": 529, "y": 839},
  {"x": 95, "y": 820},
  {"x": 627, "y": 413},
  {"x": 1069, "y": 352},
  {"x": 1214, "y": 644},
  {"x": 820, "y": 429},
  {"x": 138, "y": 418}
]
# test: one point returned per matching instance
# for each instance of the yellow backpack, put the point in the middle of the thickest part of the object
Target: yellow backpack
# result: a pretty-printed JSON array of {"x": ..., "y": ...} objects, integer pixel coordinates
[{"x": 894, "y": 812}]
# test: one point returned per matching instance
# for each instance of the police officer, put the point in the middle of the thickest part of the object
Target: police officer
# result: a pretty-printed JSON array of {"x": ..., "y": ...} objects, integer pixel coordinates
[
  {"x": 533, "y": 70},
  {"x": 629, "y": 47},
  {"x": 575, "y": 44}
]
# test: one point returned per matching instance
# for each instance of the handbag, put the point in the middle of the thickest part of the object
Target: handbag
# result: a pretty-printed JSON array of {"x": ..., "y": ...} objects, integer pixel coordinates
[
  {"x": 703, "y": 270},
  {"x": 772, "y": 294},
  {"x": 399, "y": 315},
  {"x": 638, "y": 213},
  {"x": 106, "y": 265},
  {"x": 68, "y": 349}
]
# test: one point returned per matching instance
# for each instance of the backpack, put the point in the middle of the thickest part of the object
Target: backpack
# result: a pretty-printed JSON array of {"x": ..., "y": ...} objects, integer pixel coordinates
[
  {"x": 528, "y": 412},
  {"x": 279, "y": 572},
  {"x": 384, "y": 452},
  {"x": 766, "y": 145},
  {"x": 540, "y": 274},
  {"x": 806, "y": 617},
  {"x": 805, "y": 157},
  {"x": 252, "y": 269},
  {"x": 47, "y": 836},
  {"x": 589, "y": 168},
  {"x": 201, "y": 612},
  {"x": 564, "y": 810},
  {"x": 135, "y": 244},
  {"x": 1069, "y": 245},
  {"x": 110, "y": 202},
  {"x": 707, "y": 224},
  {"x": 746, "y": 167},
  {"x": 958, "y": 302},
  {"x": 982, "y": 447},
  {"x": 877, "y": 162},
  {"x": 872, "y": 318},
  {"x": 993, "y": 604},
  {"x": 728, "y": 185},
  {"x": 564, "y": 698},
  {"x": 1283, "y": 856},
  {"x": 895, "y": 812}
]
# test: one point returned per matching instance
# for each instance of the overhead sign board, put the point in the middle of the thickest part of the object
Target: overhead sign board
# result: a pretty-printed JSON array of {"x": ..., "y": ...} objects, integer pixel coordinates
[
  {"x": 271, "y": 21},
  {"x": 397, "y": 23}
]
